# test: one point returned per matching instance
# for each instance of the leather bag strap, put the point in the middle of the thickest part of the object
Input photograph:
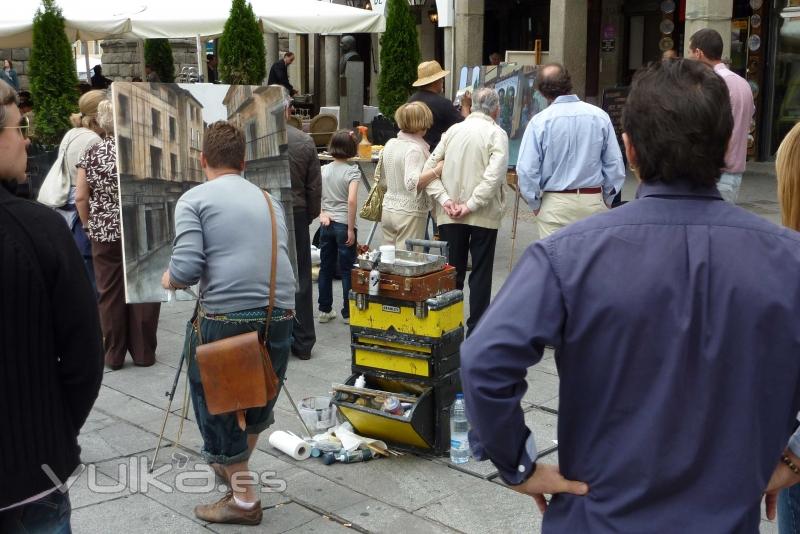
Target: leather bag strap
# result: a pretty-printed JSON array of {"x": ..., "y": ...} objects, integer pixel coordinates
[
  {"x": 272, "y": 275},
  {"x": 273, "y": 262}
]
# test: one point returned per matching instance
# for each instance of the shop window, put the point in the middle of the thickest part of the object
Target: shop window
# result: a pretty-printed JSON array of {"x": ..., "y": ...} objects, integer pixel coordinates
[{"x": 786, "y": 102}]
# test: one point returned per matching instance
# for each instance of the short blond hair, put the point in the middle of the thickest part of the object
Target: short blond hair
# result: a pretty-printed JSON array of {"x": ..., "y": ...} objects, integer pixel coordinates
[
  {"x": 413, "y": 117},
  {"x": 787, "y": 165}
]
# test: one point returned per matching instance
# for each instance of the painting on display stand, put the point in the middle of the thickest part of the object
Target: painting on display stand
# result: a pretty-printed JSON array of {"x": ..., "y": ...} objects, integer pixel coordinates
[{"x": 159, "y": 133}]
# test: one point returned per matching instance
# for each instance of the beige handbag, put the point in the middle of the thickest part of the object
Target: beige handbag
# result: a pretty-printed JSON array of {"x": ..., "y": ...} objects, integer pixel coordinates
[{"x": 373, "y": 206}]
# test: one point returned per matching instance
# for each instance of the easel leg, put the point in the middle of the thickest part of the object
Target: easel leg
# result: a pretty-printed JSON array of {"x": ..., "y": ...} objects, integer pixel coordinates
[
  {"x": 171, "y": 395},
  {"x": 514, "y": 220}
]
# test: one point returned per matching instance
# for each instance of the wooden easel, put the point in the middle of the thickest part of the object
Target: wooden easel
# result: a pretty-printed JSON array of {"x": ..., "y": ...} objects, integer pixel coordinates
[{"x": 512, "y": 178}]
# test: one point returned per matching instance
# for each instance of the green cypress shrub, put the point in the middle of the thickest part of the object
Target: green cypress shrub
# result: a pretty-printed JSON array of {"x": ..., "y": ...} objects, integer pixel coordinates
[
  {"x": 399, "y": 57},
  {"x": 52, "y": 75},
  {"x": 158, "y": 54},
  {"x": 241, "y": 50}
]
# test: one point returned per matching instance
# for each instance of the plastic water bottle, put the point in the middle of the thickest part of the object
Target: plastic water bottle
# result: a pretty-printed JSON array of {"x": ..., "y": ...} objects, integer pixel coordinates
[{"x": 459, "y": 441}]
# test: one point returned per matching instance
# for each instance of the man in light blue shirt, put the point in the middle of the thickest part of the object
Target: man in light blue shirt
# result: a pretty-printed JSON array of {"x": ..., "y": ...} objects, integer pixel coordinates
[{"x": 570, "y": 165}]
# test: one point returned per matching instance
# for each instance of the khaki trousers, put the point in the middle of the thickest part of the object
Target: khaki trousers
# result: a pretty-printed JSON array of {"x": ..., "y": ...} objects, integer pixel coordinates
[
  {"x": 560, "y": 209},
  {"x": 397, "y": 227}
]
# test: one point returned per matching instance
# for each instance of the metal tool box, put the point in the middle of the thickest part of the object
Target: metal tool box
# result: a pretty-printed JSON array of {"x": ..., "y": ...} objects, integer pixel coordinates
[
  {"x": 432, "y": 317},
  {"x": 423, "y": 428},
  {"x": 406, "y": 354}
]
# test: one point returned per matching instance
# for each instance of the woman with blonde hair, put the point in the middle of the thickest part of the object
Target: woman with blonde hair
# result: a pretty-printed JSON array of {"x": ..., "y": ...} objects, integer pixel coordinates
[
  {"x": 84, "y": 134},
  {"x": 126, "y": 327},
  {"x": 787, "y": 165},
  {"x": 405, "y": 203}
]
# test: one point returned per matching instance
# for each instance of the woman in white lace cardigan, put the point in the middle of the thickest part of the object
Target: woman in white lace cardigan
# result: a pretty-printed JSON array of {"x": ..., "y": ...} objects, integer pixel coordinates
[{"x": 405, "y": 204}]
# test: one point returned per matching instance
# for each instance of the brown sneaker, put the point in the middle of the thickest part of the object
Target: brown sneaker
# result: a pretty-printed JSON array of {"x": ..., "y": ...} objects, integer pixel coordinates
[{"x": 225, "y": 510}]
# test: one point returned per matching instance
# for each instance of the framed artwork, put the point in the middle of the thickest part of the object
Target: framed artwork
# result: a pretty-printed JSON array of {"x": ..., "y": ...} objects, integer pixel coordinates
[
  {"x": 159, "y": 132},
  {"x": 508, "y": 89}
]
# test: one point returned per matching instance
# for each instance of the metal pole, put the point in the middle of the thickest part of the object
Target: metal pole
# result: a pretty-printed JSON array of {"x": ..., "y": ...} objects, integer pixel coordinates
[
  {"x": 85, "y": 46},
  {"x": 201, "y": 65}
]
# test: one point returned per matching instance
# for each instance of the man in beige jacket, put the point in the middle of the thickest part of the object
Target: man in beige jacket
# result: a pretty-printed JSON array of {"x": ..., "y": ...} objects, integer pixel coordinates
[{"x": 475, "y": 154}]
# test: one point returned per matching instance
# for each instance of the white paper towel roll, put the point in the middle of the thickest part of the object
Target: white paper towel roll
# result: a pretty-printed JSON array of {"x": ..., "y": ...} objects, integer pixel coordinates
[{"x": 290, "y": 444}]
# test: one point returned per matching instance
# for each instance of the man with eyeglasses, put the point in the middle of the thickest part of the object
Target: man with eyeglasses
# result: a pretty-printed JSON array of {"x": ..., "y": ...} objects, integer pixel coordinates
[{"x": 52, "y": 357}]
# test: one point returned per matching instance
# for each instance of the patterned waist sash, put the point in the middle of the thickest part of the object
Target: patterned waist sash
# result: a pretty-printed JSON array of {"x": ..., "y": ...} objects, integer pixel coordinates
[{"x": 248, "y": 316}]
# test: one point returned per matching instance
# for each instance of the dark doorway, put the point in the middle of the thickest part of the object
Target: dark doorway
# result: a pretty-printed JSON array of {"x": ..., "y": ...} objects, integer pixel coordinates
[{"x": 514, "y": 25}]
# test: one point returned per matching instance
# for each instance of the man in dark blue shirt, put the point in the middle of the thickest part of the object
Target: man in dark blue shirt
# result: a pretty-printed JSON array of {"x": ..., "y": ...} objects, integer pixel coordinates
[{"x": 674, "y": 321}]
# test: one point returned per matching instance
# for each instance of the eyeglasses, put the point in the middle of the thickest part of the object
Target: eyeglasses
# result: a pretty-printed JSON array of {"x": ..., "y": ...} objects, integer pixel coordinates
[{"x": 23, "y": 127}]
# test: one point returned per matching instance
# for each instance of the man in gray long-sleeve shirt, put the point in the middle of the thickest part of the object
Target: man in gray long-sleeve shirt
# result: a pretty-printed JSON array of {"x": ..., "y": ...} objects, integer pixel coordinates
[
  {"x": 306, "y": 195},
  {"x": 223, "y": 239}
]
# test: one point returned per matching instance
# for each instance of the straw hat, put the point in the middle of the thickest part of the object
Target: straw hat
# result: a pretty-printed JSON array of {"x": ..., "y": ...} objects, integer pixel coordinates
[{"x": 429, "y": 72}]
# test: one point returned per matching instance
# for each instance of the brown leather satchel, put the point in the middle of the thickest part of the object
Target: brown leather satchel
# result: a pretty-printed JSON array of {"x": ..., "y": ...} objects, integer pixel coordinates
[{"x": 237, "y": 372}]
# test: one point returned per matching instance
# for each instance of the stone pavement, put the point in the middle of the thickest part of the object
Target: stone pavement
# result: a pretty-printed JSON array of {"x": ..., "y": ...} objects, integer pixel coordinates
[{"x": 405, "y": 494}]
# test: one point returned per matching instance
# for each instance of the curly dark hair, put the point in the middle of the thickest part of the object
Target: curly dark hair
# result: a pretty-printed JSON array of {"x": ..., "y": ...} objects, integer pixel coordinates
[
  {"x": 554, "y": 81},
  {"x": 678, "y": 119}
]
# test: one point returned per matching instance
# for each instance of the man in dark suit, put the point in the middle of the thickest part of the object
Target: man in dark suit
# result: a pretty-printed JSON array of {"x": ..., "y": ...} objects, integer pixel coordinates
[{"x": 279, "y": 73}]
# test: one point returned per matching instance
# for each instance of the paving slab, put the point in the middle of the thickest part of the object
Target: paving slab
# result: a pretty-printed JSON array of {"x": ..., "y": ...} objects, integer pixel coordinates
[
  {"x": 473, "y": 467},
  {"x": 312, "y": 489},
  {"x": 114, "y": 440},
  {"x": 485, "y": 507},
  {"x": 768, "y": 527},
  {"x": 379, "y": 517},
  {"x": 186, "y": 483},
  {"x": 322, "y": 525},
  {"x": 542, "y": 387},
  {"x": 281, "y": 518},
  {"x": 85, "y": 492},
  {"x": 408, "y": 482},
  {"x": 136, "y": 514},
  {"x": 547, "y": 363},
  {"x": 544, "y": 427},
  {"x": 148, "y": 384},
  {"x": 122, "y": 406}
]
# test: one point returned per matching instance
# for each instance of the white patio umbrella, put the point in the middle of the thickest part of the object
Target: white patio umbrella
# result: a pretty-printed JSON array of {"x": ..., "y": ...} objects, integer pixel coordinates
[
  {"x": 102, "y": 19},
  {"x": 86, "y": 20}
]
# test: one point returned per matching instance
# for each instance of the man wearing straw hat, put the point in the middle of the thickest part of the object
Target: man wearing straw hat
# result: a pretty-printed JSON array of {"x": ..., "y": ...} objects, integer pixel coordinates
[{"x": 430, "y": 86}]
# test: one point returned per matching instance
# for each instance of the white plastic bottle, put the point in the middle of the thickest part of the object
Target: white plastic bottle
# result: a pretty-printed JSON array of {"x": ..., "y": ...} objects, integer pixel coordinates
[{"x": 459, "y": 426}]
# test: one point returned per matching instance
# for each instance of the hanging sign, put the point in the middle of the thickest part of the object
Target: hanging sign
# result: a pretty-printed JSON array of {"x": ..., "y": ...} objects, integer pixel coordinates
[
  {"x": 379, "y": 6},
  {"x": 447, "y": 13}
]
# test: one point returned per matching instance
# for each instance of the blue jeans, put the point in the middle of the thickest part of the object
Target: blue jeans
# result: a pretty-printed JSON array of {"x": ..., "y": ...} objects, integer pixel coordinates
[
  {"x": 332, "y": 239},
  {"x": 789, "y": 510},
  {"x": 48, "y": 515},
  {"x": 223, "y": 441}
]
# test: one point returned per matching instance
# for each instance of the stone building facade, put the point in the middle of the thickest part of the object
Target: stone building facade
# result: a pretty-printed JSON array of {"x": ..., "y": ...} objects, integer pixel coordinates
[{"x": 19, "y": 58}]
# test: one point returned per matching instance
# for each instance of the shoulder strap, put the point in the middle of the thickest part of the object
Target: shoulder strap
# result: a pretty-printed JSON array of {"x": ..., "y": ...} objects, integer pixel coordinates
[{"x": 273, "y": 261}]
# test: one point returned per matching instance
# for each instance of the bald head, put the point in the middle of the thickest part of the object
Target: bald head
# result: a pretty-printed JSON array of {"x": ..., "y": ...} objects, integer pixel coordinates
[{"x": 554, "y": 81}]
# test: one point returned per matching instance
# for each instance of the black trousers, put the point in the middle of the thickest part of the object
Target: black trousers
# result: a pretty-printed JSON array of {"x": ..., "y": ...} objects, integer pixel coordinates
[
  {"x": 304, "y": 334},
  {"x": 463, "y": 240}
]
